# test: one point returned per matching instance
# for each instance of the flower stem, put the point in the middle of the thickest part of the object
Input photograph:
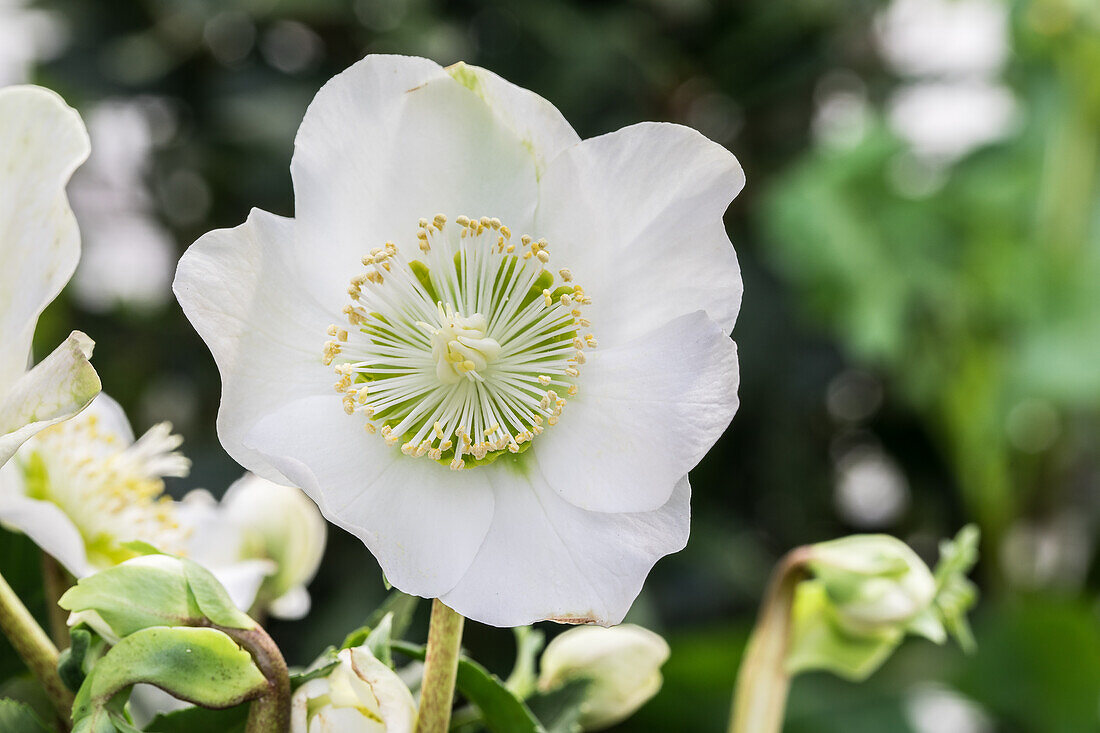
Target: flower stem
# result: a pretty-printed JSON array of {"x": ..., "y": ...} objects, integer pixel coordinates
[
  {"x": 56, "y": 581},
  {"x": 270, "y": 712},
  {"x": 440, "y": 669},
  {"x": 760, "y": 695},
  {"x": 35, "y": 649}
]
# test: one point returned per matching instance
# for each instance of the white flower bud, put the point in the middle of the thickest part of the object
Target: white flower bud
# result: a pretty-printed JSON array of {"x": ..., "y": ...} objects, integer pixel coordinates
[
  {"x": 623, "y": 664},
  {"x": 360, "y": 695},
  {"x": 282, "y": 524},
  {"x": 876, "y": 583}
]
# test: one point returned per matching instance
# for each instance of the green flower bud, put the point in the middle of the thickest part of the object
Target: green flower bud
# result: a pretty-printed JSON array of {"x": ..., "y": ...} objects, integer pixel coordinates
[
  {"x": 866, "y": 592},
  {"x": 876, "y": 583},
  {"x": 359, "y": 695},
  {"x": 623, "y": 665}
]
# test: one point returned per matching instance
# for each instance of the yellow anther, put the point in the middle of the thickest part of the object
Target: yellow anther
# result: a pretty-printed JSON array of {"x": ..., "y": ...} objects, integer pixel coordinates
[
  {"x": 566, "y": 274},
  {"x": 544, "y": 380},
  {"x": 543, "y": 256}
]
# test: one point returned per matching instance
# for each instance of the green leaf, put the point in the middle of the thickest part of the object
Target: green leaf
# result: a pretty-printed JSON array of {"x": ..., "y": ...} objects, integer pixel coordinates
[
  {"x": 378, "y": 641},
  {"x": 321, "y": 667},
  {"x": 155, "y": 590},
  {"x": 28, "y": 691},
  {"x": 16, "y": 717},
  {"x": 212, "y": 598},
  {"x": 560, "y": 709},
  {"x": 401, "y": 605},
  {"x": 199, "y": 665},
  {"x": 501, "y": 711},
  {"x": 190, "y": 720},
  {"x": 134, "y": 596},
  {"x": 818, "y": 642}
]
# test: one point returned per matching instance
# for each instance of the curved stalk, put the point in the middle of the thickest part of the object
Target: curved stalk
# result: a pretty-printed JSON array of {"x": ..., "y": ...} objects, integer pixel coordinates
[
  {"x": 760, "y": 695},
  {"x": 269, "y": 713}
]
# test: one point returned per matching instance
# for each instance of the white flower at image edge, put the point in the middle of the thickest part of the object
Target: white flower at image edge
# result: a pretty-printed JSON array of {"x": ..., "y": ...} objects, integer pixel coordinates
[
  {"x": 359, "y": 695},
  {"x": 42, "y": 141},
  {"x": 490, "y": 350},
  {"x": 85, "y": 487}
]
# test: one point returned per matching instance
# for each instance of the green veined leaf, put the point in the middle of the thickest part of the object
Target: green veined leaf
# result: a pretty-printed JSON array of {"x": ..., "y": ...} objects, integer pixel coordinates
[
  {"x": 16, "y": 717},
  {"x": 199, "y": 665},
  {"x": 501, "y": 711}
]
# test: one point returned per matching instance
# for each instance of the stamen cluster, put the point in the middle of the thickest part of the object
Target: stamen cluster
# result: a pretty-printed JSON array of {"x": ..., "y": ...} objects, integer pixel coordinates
[
  {"x": 112, "y": 492},
  {"x": 465, "y": 353}
]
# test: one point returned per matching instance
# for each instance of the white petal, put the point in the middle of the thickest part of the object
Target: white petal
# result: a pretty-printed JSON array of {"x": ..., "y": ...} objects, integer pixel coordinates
[
  {"x": 536, "y": 122},
  {"x": 421, "y": 520},
  {"x": 637, "y": 216},
  {"x": 60, "y": 386},
  {"x": 44, "y": 522},
  {"x": 646, "y": 413},
  {"x": 292, "y": 605},
  {"x": 242, "y": 580},
  {"x": 546, "y": 559},
  {"x": 396, "y": 706},
  {"x": 241, "y": 291},
  {"x": 42, "y": 141},
  {"x": 111, "y": 418},
  {"x": 388, "y": 141}
]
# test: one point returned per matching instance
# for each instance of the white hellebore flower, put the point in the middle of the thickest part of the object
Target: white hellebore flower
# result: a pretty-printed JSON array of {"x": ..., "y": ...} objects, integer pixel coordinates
[
  {"x": 477, "y": 441},
  {"x": 258, "y": 520},
  {"x": 42, "y": 141},
  {"x": 84, "y": 488},
  {"x": 360, "y": 695},
  {"x": 622, "y": 664}
]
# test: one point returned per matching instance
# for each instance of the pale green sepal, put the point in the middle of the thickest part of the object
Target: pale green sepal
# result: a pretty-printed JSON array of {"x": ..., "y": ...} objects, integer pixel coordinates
[
  {"x": 956, "y": 594},
  {"x": 928, "y": 624},
  {"x": 212, "y": 598},
  {"x": 819, "y": 643}
]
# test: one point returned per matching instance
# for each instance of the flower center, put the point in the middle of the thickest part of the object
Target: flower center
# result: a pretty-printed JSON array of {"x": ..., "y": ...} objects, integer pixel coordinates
[
  {"x": 461, "y": 355},
  {"x": 113, "y": 493},
  {"x": 460, "y": 346}
]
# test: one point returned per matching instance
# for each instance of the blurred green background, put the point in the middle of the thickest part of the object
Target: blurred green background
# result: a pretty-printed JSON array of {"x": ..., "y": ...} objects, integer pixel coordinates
[{"x": 920, "y": 336}]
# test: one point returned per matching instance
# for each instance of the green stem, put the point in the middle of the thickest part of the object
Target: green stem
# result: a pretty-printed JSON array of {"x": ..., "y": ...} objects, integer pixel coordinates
[
  {"x": 35, "y": 649},
  {"x": 269, "y": 713},
  {"x": 56, "y": 581},
  {"x": 760, "y": 695},
  {"x": 440, "y": 668}
]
